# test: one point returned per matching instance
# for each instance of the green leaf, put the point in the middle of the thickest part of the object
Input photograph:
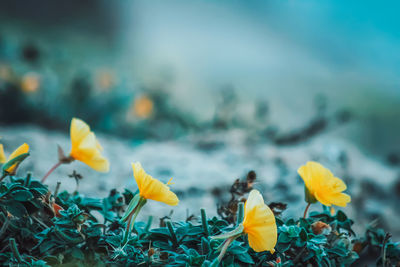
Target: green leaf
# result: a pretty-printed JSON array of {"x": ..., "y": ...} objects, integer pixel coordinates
[
  {"x": 283, "y": 238},
  {"x": 319, "y": 239},
  {"x": 46, "y": 246},
  {"x": 340, "y": 251},
  {"x": 303, "y": 234},
  {"x": 245, "y": 258},
  {"x": 195, "y": 231},
  {"x": 15, "y": 208},
  {"x": 237, "y": 249},
  {"x": 22, "y": 195},
  {"x": 282, "y": 247},
  {"x": 77, "y": 253},
  {"x": 340, "y": 216},
  {"x": 162, "y": 245}
]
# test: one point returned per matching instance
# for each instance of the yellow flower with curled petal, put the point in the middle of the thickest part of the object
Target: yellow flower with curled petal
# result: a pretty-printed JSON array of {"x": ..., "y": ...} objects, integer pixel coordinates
[
  {"x": 322, "y": 185},
  {"x": 259, "y": 223},
  {"x": 85, "y": 146},
  {"x": 151, "y": 188},
  {"x": 22, "y": 149}
]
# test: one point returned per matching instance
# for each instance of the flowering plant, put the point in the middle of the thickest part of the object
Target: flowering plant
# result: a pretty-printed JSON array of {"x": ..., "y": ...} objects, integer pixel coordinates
[{"x": 43, "y": 228}]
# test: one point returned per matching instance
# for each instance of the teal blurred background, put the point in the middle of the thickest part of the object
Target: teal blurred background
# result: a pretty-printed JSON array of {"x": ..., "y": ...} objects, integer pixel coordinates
[{"x": 92, "y": 59}]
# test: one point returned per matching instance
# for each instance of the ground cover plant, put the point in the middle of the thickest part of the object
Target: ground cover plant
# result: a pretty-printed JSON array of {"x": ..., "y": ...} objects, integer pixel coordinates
[{"x": 44, "y": 227}]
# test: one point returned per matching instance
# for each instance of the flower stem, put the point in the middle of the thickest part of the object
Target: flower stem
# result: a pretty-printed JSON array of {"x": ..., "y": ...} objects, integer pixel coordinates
[
  {"x": 306, "y": 210},
  {"x": 127, "y": 231},
  {"x": 50, "y": 171},
  {"x": 227, "y": 242},
  {"x": 240, "y": 213},
  {"x": 131, "y": 220}
]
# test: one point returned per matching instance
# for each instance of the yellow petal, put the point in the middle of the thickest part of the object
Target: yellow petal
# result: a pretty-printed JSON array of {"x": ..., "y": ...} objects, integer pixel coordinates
[
  {"x": 322, "y": 198},
  {"x": 22, "y": 149},
  {"x": 99, "y": 164},
  {"x": 79, "y": 129},
  {"x": 340, "y": 199},
  {"x": 85, "y": 146},
  {"x": 337, "y": 184},
  {"x": 2, "y": 155},
  {"x": 151, "y": 188},
  {"x": 259, "y": 223}
]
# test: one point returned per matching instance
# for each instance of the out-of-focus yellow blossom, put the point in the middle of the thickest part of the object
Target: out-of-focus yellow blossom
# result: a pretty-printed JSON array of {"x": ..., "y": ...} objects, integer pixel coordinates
[
  {"x": 143, "y": 107},
  {"x": 151, "y": 188},
  {"x": 105, "y": 79},
  {"x": 322, "y": 185},
  {"x": 85, "y": 146},
  {"x": 259, "y": 223},
  {"x": 3, "y": 157},
  {"x": 30, "y": 82},
  {"x": 6, "y": 73},
  {"x": 22, "y": 149}
]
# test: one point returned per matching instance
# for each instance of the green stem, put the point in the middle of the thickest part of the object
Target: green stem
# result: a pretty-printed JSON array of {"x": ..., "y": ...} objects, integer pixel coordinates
[
  {"x": 50, "y": 171},
  {"x": 204, "y": 222},
  {"x": 28, "y": 179},
  {"x": 56, "y": 190},
  {"x": 240, "y": 213},
  {"x": 306, "y": 210},
  {"x": 227, "y": 242},
  {"x": 172, "y": 233},
  {"x": 131, "y": 220},
  {"x": 127, "y": 231},
  {"x": 148, "y": 225},
  {"x": 14, "y": 250},
  {"x": 205, "y": 246}
]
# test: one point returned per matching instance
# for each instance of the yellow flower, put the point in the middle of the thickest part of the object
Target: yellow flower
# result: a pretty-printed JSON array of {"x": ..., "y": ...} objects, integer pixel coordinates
[
  {"x": 22, "y": 149},
  {"x": 30, "y": 82},
  {"x": 143, "y": 107},
  {"x": 150, "y": 188},
  {"x": 322, "y": 185},
  {"x": 259, "y": 223},
  {"x": 85, "y": 146},
  {"x": 3, "y": 157}
]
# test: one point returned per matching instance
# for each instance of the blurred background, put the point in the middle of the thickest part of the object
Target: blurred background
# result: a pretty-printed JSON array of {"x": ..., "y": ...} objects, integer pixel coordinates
[{"x": 206, "y": 91}]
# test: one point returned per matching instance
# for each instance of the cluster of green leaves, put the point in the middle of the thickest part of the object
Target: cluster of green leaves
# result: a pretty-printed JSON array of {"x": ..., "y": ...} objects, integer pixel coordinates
[
  {"x": 322, "y": 240},
  {"x": 88, "y": 232}
]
